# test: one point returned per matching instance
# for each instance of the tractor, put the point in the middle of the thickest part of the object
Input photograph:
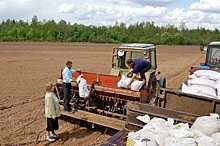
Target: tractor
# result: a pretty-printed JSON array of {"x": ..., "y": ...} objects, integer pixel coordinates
[
  {"x": 105, "y": 97},
  {"x": 212, "y": 57},
  {"x": 118, "y": 108}
]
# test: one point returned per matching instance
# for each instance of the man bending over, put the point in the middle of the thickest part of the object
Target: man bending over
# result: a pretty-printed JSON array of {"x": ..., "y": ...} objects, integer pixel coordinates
[{"x": 137, "y": 65}]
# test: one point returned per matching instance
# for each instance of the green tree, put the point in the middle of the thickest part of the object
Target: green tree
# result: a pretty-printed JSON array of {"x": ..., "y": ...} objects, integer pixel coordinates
[
  {"x": 166, "y": 38},
  {"x": 92, "y": 38},
  {"x": 21, "y": 34}
]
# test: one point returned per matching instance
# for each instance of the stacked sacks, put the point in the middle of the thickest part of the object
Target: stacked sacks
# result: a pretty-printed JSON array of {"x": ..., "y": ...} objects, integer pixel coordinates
[
  {"x": 159, "y": 132},
  {"x": 135, "y": 86},
  {"x": 203, "y": 83}
]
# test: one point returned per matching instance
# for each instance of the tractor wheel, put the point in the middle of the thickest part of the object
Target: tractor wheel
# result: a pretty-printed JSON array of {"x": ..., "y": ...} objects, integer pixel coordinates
[
  {"x": 152, "y": 90},
  {"x": 162, "y": 82}
]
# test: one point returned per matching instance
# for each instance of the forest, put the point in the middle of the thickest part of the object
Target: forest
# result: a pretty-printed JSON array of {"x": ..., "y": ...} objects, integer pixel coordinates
[{"x": 141, "y": 32}]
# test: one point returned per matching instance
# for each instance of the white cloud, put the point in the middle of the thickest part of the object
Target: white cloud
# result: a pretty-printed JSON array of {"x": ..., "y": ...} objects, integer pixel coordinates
[
  {"x": 105, "y": 13},
  {"x": 154, "y": 2},
  {"x": 203, "y": 13},
  {"x": 210, "y": 6},
  {"x": 144, "y": 2},
  {"x": 67, "y": 8}
]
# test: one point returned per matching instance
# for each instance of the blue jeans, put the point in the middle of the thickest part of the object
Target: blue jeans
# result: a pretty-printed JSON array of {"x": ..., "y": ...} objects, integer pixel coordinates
[{"x": 67, "y": 97}]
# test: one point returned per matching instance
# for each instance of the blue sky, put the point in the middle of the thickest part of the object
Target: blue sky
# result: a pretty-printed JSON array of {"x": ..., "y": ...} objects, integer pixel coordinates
[
  {"x": 194, "y": 13},
  {"x": 182, "y": 4}
]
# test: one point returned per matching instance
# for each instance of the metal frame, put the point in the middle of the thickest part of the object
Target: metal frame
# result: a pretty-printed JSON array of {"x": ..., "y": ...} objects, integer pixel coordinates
[
  {"x": 187, "y": 102},
  {"x": 135, "y": 109}
]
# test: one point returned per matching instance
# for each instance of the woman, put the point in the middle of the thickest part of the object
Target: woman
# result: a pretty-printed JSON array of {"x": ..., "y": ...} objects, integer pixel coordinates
[{"x": 52, "y": 112}]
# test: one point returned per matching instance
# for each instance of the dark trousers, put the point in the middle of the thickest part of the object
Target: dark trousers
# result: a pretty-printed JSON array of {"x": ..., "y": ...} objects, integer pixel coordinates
[
  {"x": 67, "y": 97},
  {"x": 144, "y": 70},
  {"x": 52, "y": 125}
]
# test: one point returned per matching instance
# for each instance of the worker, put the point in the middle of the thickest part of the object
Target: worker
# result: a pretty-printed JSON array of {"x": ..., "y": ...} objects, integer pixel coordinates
[
  {"x": 52, "y": 112},
  {"x": 67, "y": 79},
  {"x": 137, "y": 65}
]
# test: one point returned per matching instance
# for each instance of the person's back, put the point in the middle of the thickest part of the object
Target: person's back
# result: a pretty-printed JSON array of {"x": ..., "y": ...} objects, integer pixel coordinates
[{"x": 139, "y": 64}]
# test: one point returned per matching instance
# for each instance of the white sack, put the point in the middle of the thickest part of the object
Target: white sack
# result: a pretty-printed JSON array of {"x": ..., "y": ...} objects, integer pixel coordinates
[
  {"x": 216, "y": 138},
  {"x": 215, "y": 77},
  {"x": 218, "y": 83},
  {"x": 218, "y": 91},
  {"x": 204, "y": 73},
  {"x": 172, "y": 141},
  {"x": 189, "y": 90},
  {"x": 203, "y": 82},
  {"x": 205, "y": 141},
  {"x": 161, "y": 135},
  {"x": 218, "y": 88},
  {"x": 207, "y": 124},
  {"x": 205, "y": 90},
  {"x": 192, "y": 76},
  {"x": 200, "y": 90},
  {"x": 146, "y": 142},
  {"x": 145, "y": 118},
  {"x": 135, "y": 86},
  {"x": 141, "y": 138},
  {"x": 123, "y": 82},
  {"x": 170, "y": 122},
  {"x": 83, "y": 89},
  {"x": 195, "y": 133},
  {"x": 156, "y": 123},
  {"x": 180, "y": 130}
]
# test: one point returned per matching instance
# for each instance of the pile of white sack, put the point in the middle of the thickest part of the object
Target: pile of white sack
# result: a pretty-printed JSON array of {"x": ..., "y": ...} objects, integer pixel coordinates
[
  {"x": 159, "y": 132},
  {"x": 135, "y": 86},
  {"x": 203, "y": 83}
]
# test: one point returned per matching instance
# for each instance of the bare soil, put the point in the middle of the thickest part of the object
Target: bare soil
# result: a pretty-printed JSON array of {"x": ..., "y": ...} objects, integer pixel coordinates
[{"x": 25, "y": 68}]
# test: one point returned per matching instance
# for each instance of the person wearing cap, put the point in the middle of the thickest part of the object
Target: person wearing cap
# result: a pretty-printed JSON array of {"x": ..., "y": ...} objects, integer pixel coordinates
[
  {"x": 137, "y": 66},
  {"x": 67, "y": 79}
]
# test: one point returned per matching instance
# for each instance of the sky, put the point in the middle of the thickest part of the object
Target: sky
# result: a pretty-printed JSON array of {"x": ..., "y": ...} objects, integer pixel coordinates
[{"x": 194, "y": 13}]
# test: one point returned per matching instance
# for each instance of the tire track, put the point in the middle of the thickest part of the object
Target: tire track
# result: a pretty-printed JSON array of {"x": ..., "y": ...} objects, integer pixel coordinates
[{"x": 177, "y": 78}]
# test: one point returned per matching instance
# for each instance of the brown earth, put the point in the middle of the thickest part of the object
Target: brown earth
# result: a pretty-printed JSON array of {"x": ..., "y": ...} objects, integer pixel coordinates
[{"x": 26, "y": 67}]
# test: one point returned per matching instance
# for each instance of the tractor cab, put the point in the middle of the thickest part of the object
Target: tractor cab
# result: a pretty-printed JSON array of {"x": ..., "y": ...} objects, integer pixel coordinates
[
  {"x": 212, "y": 56},
  {"x": 132, "y": 51}
]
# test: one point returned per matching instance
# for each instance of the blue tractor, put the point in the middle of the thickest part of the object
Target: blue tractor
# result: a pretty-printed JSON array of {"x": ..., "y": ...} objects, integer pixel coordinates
[{"x": 212, "y": 56}]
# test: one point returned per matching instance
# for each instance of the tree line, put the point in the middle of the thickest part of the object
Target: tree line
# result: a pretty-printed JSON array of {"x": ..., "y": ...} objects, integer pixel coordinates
[{"x": 143, "y": 32}]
